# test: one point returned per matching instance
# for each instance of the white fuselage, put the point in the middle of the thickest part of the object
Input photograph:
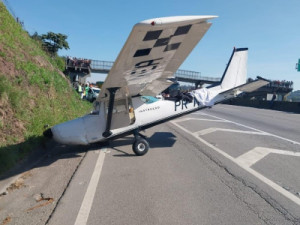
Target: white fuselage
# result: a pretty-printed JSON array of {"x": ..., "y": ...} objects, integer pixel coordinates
[{"x": 89, "y": 128}]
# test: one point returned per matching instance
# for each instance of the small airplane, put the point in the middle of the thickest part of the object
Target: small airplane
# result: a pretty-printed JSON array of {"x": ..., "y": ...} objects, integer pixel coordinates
[{"x": 151, "y": 55}]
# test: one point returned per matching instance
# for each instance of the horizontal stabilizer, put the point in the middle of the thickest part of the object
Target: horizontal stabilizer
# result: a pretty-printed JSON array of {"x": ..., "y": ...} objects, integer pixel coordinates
[
  {"x": 249, "y": 87},
  {"x": 254, "y": 85}
]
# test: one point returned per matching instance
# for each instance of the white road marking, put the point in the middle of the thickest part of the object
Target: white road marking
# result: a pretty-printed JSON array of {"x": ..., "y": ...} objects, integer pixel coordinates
[
  {"x": 191, "y": 118},
  {"x": 214, "y": 129},
  {"x": 253, "y": 156},
  {"x": 87, "y": 202},
  {"x": 252, "y": 128},
  {"x": 245, "y": 166}
]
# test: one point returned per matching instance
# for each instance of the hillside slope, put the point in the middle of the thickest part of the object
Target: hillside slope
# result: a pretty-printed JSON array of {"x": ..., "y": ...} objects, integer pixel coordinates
[{"x": 33, "y": 92}]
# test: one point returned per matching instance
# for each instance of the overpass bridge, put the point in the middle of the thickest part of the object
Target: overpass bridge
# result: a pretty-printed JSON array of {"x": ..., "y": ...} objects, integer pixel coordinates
[{"x": 83, "y": 68}]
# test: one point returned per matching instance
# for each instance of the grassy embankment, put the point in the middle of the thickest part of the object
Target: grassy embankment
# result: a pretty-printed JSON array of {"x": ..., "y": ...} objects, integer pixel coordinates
[{"x": 33, "y": 92}]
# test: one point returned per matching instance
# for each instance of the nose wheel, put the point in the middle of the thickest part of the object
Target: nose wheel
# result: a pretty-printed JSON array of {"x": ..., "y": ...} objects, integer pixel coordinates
[{"x": 140, "y": 146}]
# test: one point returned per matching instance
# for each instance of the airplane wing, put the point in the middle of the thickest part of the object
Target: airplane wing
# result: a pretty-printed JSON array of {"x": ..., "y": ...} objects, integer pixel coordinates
[{"x": 152, "y": 53}]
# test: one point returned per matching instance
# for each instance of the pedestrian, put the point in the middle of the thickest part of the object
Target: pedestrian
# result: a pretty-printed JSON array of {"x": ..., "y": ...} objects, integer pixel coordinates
[
  {"x": 80, "y": 90},
  {"x": 272, "y": 101},
  {"x": 87, "y": 88}
]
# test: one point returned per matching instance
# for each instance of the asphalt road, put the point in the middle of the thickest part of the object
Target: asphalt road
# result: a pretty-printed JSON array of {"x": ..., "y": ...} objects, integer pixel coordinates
[{"x": 225, "y": 165}]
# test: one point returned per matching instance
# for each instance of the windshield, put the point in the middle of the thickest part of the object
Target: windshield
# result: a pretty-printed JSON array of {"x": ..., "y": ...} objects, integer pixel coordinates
[{"x": 96, "y": 91}]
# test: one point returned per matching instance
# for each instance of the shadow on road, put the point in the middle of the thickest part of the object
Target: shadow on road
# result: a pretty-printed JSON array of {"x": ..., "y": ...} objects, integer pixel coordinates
[
  {"x": 157, "y": 140},
  {"x": 42, "y": 156},
  {"x": 49, "y": 152}
]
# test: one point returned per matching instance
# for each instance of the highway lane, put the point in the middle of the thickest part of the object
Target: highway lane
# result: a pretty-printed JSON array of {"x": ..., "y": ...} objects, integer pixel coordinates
[
  {"x": 276, "y": 122},
  {"x": 225, "y": 165}
]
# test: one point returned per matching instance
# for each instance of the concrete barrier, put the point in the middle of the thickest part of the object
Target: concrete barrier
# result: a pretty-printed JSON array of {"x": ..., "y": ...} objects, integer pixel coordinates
[{"x": 277, "y": 105}]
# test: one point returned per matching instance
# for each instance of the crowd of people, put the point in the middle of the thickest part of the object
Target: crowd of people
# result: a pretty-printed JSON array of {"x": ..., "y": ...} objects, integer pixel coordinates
[
  {"x": 278, "y": 83},
  {"x": 78, "y": 62},
  {"x": 283, "y": 83}
]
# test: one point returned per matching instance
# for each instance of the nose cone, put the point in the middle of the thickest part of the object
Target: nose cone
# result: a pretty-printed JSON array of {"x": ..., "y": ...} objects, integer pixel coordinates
[{"x": 71, "y": 132}]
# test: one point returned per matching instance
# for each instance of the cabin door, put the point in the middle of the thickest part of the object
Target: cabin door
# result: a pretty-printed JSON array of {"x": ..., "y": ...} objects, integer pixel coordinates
[{"x": 123, "y": 113}]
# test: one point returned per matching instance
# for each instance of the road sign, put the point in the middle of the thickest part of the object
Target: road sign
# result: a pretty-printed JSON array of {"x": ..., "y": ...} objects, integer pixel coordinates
[{"x": 298, "y": 65}]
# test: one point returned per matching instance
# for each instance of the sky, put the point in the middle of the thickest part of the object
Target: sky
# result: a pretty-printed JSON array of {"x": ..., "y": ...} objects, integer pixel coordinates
[{"x": 98, "y": 30}]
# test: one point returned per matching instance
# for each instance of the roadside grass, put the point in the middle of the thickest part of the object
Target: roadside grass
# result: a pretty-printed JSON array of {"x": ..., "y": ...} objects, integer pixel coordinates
[
  {"x": 35, "y": 96},
  {"x": 54, "y": 103}
]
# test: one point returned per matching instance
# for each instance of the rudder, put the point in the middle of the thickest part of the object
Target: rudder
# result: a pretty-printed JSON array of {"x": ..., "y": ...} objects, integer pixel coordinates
[{"x": 235, "y": 73}]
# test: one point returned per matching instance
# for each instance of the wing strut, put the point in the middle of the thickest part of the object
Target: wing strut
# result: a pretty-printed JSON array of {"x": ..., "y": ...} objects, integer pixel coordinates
[{"x": 112, "y": 92}]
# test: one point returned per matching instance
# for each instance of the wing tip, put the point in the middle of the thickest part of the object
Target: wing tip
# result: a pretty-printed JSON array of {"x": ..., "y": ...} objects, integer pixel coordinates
[{"x": 174, "y": 19}]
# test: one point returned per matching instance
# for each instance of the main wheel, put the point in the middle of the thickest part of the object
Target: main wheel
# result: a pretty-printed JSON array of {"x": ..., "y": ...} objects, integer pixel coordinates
[{"x": 140, "y": 146}]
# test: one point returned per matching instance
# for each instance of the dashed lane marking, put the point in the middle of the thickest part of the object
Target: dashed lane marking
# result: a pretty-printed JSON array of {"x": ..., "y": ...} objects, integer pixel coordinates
[{"x": 87, "y": 202}]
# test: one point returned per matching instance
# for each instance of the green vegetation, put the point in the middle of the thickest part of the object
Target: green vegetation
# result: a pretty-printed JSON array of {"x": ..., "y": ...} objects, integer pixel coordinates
[
  {"x": 52, "y": 42},
  {"x": 33, "y": 92}
]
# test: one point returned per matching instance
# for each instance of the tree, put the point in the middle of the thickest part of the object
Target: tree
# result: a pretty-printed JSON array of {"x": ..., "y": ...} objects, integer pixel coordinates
[
  {"x": 52, "y": 42},
  {"x": 36, "y": 36}
]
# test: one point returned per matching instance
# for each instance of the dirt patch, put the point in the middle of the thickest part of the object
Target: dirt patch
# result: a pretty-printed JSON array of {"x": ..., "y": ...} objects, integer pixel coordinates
[
  {"x": 6, "y": 220},
  {"x": 41, "y": 61},
  {"x": 19, "y": 183},
  {"x": 11, "y": 127},
  {"x": 41, "y": 198},
  {"x": 6, "y": 67}
]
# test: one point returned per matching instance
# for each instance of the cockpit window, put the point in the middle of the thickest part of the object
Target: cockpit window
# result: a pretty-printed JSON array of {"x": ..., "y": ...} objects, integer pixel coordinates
[{"x": 149, "y": 99}]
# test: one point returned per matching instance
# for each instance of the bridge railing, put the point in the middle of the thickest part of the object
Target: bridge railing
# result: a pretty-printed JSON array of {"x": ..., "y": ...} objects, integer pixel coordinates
[
  {"x": 192, "y": 75},
  {"x": 101, "y": 65},
  {"x": 187, "y": 74},
  {"x": 98, "y": 66}
]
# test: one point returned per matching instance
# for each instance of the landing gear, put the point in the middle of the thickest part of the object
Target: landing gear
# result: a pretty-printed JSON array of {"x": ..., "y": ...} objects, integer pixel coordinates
[{"x": 140, "y": 146}]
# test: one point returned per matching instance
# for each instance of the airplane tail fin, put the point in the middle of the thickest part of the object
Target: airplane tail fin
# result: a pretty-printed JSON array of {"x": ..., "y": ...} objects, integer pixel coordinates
[{"x": 235, "y": 73}]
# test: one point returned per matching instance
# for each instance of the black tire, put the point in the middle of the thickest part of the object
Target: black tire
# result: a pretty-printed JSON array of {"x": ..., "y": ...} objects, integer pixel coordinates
[{"x": 140, "y": 146}]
